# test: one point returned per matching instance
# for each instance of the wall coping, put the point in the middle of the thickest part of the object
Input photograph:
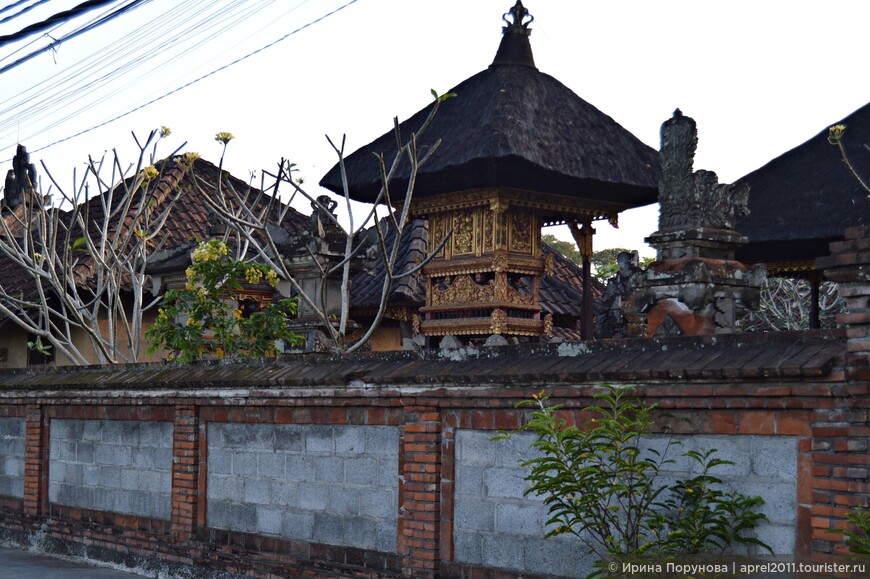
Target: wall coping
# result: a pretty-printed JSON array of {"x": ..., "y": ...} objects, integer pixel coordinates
[{"x": 766, "y": 356}]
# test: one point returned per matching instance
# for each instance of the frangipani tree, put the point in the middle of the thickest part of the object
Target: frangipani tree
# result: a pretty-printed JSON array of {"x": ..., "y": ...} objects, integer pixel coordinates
[
  {"x": 253, "y": 214},
  {"x": 75, "y": 260}
]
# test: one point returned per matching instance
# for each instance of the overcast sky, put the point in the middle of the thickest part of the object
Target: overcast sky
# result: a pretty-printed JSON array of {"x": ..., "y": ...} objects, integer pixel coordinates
[{"x": 760, "y": 77}]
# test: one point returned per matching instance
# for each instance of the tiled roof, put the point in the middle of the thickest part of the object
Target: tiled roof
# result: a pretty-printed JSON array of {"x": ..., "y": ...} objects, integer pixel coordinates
[
  {"x": 787, "y": 355},
  {"x": 189, "y": 220},
  {"x": 366, "y": 286}
]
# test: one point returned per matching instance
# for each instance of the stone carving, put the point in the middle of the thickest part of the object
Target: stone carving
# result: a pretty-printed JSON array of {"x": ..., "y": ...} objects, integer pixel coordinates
[
  {"x": 694, "y": 199},
  {"x": 321, "y": 210},
  {"x": 609, "y": 319},
  {"x": 20, "y": 179},
  {"x": 695, "y": 286}
]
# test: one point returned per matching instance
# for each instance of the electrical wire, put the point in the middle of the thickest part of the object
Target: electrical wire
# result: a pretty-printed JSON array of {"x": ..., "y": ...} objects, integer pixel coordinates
[
  {"x": 14, "y": 4},
  {"x": 52, "y": 20},
  {"x": 56, "y": 43},
  {"x": 195, "y": 81},
  {"x": 22, "y": 11}
]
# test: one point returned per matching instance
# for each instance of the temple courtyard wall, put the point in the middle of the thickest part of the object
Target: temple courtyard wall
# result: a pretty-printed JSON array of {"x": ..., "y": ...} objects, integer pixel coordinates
[
  {"x": 385, "y": 464},
  {"x": 380, "y": 465}
]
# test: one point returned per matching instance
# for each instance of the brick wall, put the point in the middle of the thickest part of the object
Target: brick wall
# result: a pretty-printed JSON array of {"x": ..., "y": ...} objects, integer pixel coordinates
[{"x": 784, "y": 405}]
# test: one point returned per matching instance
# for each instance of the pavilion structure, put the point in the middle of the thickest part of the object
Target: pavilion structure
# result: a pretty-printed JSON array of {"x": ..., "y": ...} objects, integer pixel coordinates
[
  {"x": 803, "y": 200},
  {"x": 518, "y": 151}
]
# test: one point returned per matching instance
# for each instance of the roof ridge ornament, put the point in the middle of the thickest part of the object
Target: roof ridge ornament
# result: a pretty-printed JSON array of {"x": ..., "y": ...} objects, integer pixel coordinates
[{"x": 518, "y": 26}]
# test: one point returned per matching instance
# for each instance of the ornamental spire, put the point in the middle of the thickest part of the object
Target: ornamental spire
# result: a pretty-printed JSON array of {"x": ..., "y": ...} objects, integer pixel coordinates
[
  {"x": 519, "y": 25},
  {"x": 515, "y": 48}
]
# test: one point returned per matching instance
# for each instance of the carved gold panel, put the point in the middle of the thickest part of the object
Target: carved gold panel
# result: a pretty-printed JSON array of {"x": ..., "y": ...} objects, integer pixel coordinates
[
  {"x": 488, "y": 227},
  {"x": 520, "y": 231},
  {"x": 463, "y": 290},
  {"x": 463, "y": 233}
]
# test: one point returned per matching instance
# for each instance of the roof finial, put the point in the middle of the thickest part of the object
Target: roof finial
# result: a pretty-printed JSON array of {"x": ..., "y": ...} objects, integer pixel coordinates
[{"x": 518, "y": 13}]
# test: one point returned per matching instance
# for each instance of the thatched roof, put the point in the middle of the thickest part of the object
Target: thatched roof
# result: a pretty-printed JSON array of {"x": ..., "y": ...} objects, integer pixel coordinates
[
  {"x": 805, "y": 198},
  {"x": 516, "y": 127}
]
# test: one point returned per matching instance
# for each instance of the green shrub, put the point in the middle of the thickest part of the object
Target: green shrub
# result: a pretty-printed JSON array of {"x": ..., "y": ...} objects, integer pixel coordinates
[
  {"x": 214, "y": 324},
  {"x": 601, "y": 486},
  {"x": 858, "y": 539}
]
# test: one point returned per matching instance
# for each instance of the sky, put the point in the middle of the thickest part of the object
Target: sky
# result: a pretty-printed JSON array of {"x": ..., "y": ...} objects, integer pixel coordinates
[{"x": 759, "y": 77}]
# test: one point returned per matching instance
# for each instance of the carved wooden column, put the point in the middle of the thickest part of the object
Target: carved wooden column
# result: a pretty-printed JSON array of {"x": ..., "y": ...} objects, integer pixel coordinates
[{"x": 583, "y": 239}]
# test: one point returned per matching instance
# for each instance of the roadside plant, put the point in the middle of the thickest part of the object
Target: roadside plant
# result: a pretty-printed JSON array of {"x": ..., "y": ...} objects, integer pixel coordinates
[
  {"x": 248, "y": 212},
  {"x": 697, "y": 516},
  {"x": 601, "y": 483},
  {"x": 204, "y": 319},
  {"x": 858, "y": 539}
]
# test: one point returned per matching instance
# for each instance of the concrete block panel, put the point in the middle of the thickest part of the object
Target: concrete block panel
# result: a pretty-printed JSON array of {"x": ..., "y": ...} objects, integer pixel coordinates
[
  {"x": 327, "y": 483},
  {"x": 110, "y": 465}
]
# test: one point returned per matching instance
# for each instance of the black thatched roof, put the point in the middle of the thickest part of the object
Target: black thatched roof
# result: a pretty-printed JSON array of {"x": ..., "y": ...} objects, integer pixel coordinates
[
  {"x": 514, "y": 126},
  {"x": 805, "y": 198}
]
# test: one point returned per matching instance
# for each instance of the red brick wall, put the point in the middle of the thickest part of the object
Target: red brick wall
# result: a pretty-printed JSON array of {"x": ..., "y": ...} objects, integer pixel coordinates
[{"x": 829, "y": 417}]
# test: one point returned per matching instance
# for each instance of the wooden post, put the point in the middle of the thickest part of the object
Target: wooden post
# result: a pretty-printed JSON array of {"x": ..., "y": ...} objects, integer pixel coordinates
[{"x": 583, "y": 239}]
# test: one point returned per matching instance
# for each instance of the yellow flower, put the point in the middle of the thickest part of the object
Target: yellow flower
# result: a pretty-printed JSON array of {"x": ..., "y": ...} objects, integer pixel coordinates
[
  {"x": 224, "y": 137},
  {"x": 272, "y": 277},
  {"x": 165, "y": 131},
  {"x": 835, "y": 133},
  {"x": 149, "y": 173},
  {"x": 253, "y": 275},
  {"x": 209, "y": 250}
]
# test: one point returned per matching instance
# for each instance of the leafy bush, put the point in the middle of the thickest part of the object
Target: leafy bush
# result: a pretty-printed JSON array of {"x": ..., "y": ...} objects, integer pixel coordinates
[
  {"x": 601, "y": 486},
  {"x": 858, "y": 539},
  {"x": 696, "y": 516},
  {"x": 214, "y": 324}
]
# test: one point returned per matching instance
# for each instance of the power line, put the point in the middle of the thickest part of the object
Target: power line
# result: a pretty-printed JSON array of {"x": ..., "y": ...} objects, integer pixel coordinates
[
  {"x": 56, "y": 43},
  {"x": 196, "y": 80},
  {"x": 14, "y": 4},
  {"x": 52, "y": 20},
  {"x": 22, "y": 11}
]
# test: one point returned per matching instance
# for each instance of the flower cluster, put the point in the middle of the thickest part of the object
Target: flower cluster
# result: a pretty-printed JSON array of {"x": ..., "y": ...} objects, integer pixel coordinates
[
  {"x": 253, "y": 275},
  {"x": 149, "y": 173},
  {"x": 206, "y": 318},
  {"x": 835, "y": 133},
  {"x": 223, "y": 137},
  {"x": 210, "y": 250}
]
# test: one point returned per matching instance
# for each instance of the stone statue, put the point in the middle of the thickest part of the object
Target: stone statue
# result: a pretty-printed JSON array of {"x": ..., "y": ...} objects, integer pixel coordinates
[
  {"x": 695, "y": 286},
  {"x": 609, "y": 320},
  {"x": 693, "y": 199},
  {"x": 21, "y": 179}
]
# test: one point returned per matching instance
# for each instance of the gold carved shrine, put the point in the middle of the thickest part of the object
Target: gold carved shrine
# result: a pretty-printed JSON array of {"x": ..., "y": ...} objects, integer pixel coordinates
[{"x": 486, "y": 278}]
